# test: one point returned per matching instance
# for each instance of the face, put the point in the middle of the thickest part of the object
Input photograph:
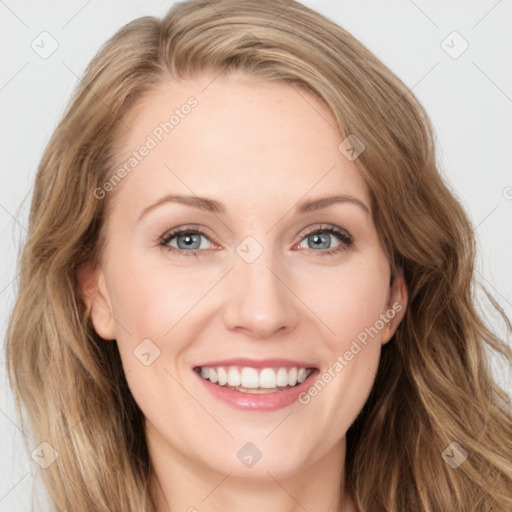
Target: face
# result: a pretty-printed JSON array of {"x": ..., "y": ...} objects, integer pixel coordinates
[{"x": 257, "y": 282}]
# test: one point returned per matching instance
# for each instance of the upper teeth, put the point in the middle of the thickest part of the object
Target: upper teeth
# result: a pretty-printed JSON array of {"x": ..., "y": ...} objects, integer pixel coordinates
[{"x": 248, "y": 377}]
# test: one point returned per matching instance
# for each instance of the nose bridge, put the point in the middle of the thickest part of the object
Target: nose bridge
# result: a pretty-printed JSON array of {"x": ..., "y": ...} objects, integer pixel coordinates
[{"x": 259, "y": 300}]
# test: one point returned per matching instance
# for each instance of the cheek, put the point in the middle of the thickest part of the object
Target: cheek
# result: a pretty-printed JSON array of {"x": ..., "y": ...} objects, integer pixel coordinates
[
  {"x": 152, "y": 299},
  {"x": 136, "y": 304},
  {"x": 149, "y": 295},
  {"x": 148, "y": 298},
  {"x": 354, "y": 296},
  {"x": 350, "y": 356},
  {"x": 146, "y": 305}
]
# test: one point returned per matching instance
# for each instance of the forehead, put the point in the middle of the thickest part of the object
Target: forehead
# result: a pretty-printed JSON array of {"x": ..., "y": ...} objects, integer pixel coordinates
[{"x": 233, "y": 136}]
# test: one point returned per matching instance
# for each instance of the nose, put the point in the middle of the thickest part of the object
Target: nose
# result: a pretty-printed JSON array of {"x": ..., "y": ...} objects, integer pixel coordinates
[{"x": 261, "y": 302}]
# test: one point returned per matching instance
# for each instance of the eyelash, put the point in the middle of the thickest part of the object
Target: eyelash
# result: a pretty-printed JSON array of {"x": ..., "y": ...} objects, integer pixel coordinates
[{"x": 346, "y": 240}]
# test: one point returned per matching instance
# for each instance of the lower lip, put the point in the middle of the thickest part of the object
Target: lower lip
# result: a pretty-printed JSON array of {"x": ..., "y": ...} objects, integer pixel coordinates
[{"x": 257, "y": 402}]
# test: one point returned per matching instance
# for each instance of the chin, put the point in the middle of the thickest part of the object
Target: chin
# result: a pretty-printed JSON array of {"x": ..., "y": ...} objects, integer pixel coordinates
[{"x": 248, "y": 461}]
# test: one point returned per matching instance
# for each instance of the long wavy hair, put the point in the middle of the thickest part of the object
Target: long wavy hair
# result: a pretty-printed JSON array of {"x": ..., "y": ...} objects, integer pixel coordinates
[{"x": 434, "y": 384}]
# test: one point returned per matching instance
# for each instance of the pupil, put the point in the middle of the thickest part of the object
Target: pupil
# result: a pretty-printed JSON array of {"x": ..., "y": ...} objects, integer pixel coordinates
[
  {"x": 318, "y": 240},
  {"x": 188, "y": 240}
]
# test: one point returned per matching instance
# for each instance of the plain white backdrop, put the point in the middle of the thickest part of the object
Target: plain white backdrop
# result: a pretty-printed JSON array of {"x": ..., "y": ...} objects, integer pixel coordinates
[{"x": 455, "y": 57}]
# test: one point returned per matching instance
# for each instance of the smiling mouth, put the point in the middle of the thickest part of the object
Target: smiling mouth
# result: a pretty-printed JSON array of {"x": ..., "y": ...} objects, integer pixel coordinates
[{"x": 255, "y": 380}]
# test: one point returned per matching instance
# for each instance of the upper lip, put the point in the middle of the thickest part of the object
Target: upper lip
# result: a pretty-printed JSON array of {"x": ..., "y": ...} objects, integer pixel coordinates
[{"x": 258, "y": 363}]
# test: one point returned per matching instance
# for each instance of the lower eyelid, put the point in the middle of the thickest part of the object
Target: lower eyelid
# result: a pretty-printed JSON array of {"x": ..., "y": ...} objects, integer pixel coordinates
[
  {"x": 166, "y": 239},
  {"x": 346, "y": 240}
]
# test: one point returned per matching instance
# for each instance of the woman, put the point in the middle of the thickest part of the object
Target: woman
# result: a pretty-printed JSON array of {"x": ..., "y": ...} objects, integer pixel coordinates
[{"x": 248, "y": 286}]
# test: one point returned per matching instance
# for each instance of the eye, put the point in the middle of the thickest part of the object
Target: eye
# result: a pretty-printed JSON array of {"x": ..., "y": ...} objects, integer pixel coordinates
[
  {"x": 186, "y": 241},
  {"x": 320, "y": 238}
]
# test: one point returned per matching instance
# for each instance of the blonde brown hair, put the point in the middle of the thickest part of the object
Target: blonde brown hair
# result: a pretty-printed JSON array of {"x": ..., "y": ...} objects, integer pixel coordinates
[{"x": 434, "y": 385}]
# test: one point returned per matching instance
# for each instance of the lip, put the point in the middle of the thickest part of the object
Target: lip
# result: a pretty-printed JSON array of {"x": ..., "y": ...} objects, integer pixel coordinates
[
  {"x": 257, "y": 402},
  {"x": 258, "y": 363}
]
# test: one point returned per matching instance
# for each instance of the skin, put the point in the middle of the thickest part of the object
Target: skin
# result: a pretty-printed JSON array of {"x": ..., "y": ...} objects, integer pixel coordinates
[{"x": 259, "y": 148}]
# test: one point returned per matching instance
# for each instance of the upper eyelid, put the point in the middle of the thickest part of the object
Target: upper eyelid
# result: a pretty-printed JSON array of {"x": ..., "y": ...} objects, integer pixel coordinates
[
  {"x": 175, "y": 232},
  {"x": 186, "y": 229}
]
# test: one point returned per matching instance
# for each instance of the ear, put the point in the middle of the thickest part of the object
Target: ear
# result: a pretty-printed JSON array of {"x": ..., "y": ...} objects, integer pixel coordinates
[
  {"x": 92, "y": 286},
  {"x": 396, "y": 306}
]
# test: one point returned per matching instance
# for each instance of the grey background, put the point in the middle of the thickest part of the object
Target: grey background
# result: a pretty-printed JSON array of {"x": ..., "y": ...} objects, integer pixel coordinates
[{"x": 468, "y": 98}]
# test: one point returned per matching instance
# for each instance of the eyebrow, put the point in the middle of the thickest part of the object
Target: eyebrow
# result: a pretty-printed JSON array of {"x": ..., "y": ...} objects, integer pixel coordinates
[{"x": 214, "y": 206}]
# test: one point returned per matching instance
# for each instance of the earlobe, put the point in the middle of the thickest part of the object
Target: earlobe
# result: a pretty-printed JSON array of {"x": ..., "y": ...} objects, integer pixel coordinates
[
  {"x": 396, "y": 307},
  {"x": 95, "y": 296}
]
